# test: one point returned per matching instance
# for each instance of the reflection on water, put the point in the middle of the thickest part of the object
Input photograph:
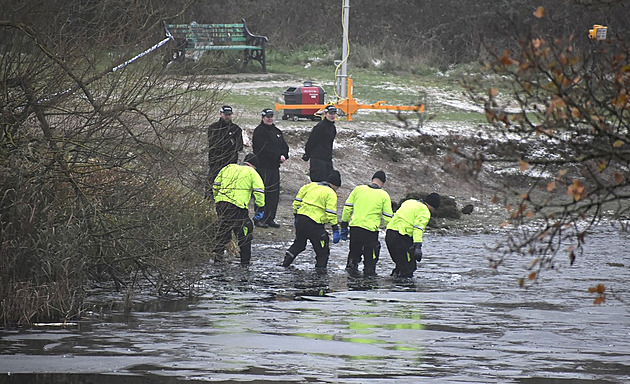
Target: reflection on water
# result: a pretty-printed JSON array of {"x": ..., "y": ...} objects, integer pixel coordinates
[{"x": 456, "y": 321}]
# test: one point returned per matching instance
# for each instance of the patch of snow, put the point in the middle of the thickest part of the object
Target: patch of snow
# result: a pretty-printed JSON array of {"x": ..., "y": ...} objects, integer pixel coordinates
[
  {"x": 389, "y": 86},
  {"x": 451, "y": 99}
]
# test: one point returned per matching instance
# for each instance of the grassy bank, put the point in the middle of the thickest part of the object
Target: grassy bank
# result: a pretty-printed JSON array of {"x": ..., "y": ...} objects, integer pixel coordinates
[{"x": 403, "y": 83}]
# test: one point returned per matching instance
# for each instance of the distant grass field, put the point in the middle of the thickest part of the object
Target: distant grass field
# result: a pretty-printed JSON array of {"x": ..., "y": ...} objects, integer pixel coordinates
[{"x": 441, "y": 92}]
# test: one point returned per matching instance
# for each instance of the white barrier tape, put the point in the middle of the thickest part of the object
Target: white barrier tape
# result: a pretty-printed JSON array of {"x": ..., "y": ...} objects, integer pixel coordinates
[{"x": 153, "y": 48}]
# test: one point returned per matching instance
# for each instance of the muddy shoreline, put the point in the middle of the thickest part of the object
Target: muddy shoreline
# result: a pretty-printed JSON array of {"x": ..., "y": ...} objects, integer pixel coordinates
[{"x": 419, "y": 166}]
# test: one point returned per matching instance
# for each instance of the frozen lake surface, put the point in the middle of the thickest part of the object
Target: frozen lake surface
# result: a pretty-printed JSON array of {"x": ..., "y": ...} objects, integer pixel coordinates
[{"x": 457, "y": 321}]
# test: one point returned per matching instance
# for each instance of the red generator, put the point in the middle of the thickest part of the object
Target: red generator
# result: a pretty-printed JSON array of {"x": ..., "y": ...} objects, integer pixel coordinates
[{"x": 306, "y": 94}]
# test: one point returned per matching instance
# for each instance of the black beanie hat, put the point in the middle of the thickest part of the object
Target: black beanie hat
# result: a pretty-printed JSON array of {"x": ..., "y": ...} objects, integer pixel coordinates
[
  {"x": 252, "y": 159},
  {"x": 334, "y": 178},
  {"x": 433, "y": 200},
  {"x": 380, "y": 175}
]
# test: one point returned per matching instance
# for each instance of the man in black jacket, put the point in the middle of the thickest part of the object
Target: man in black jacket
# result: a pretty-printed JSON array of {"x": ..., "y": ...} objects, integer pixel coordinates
[
  {"x": 319, "y": 146},
  {"x": 225, "y": 140},
  {"x": 272, "y": 150}
]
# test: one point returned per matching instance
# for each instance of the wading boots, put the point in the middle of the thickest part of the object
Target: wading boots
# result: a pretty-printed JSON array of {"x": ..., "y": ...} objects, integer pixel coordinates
[
  {"x": 352, "y": 268},
  {"x": 288, "y": 259}
]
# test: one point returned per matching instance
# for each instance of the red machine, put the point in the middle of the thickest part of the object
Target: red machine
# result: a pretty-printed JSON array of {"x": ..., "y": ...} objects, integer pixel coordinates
[{"x": 306, "y": 94}]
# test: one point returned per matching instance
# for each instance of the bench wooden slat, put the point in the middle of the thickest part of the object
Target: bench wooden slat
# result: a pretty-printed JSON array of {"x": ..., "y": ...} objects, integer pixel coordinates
[
  {"x": 226, "y": 47},
  {"x": 222, "y": 41}
]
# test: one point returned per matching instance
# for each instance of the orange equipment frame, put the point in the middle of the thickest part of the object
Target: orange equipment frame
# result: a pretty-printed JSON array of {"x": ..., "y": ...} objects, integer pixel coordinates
[{"x": 350, "y": 105}]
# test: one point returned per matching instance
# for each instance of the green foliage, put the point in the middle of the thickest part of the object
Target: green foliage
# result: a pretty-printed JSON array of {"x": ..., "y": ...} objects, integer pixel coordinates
[{"x": 313, "y": 54}]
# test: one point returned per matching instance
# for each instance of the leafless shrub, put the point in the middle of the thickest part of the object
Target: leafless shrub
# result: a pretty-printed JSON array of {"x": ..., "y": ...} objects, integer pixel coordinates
[{"x": 100, "y": 170}]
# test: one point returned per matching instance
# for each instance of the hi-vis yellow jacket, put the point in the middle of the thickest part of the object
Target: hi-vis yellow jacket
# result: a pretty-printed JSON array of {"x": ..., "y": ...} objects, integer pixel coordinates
[
  {"x": 318, "y": 201},
  {"x": 236, "y": 183},
  {"x": 411, "y": 219},
  {"x": 365, "y": 206}
]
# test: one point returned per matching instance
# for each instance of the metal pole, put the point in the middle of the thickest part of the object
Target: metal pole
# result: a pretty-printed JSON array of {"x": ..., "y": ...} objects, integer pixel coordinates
[{"x": 342, "y": 77}]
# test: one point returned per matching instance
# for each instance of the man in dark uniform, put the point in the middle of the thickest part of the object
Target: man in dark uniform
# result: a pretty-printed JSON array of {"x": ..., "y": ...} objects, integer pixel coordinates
[
  {"x": 319, "y": 146},
  {"x": 225, "y": 141},
  {"x": 272, "y": 150},
  {"x": 315, "y": 205}
]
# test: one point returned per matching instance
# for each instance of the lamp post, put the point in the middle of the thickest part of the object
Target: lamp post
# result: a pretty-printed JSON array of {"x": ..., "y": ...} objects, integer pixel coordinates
[
  {"x": 343, "y": 87},
  {"x": 342, "y": 76}
]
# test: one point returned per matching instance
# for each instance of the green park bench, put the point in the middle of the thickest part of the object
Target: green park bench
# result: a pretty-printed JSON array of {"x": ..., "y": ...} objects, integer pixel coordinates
[{"x": 217, "y": 37}]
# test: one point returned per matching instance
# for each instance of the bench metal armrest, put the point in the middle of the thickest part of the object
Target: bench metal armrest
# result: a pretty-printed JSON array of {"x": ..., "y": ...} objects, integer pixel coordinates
[{"x": 256, "y": 39}]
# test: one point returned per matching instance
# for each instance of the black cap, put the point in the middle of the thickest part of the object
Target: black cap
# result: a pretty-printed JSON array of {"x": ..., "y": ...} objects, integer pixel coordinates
[
  {"x": 252, "y": 159},
  {"x": 380, "y": 175},
  {"x": 267, "y": 112},
  {"x": 334, "y": 178},
  {"x": 330, "y": 109},
  {"x": 433, "y": 199},
  {"x": 226, "y": 109}
]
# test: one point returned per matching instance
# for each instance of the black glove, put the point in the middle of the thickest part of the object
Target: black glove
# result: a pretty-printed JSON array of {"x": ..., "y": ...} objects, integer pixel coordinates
[
  {"x": 417, "y": 251},
  {"x": 305, "y": 157},
  {"x": 345, "y": 231}
]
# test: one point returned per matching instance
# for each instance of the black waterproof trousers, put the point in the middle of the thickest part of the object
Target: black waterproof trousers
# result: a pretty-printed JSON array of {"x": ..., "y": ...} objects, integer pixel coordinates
[
  {"x": 232, "y": 219},
  {"x": 364, "y": 243},
  {"x": 271, "y": 179},
  {"x": 398, "y": 246},
  {"x": 320, "y": 169},
  {"x": 307, "y": 229}
]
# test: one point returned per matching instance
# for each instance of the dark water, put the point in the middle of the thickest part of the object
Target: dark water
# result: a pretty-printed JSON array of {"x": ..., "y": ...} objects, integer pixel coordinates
[{"x": 457, "y": 321}]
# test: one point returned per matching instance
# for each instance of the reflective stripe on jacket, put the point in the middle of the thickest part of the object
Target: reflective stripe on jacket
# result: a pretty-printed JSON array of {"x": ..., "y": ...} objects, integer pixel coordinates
[
  {"x": 318, "y": 201},
  {"x": 236, "y": 183},
  {"x": 411, "y": 219},
  {"x": 365, "y": 206}
]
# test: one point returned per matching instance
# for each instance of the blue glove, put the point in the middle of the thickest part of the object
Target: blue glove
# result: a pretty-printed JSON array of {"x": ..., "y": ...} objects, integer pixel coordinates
[
  {"x": 344, "y": 233},
  {"x": 417, "y": 251},
  {"x": 258, "y": 215},
  {"x": 336, "y": 236},
  {"x": 295, "y": 221}
]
